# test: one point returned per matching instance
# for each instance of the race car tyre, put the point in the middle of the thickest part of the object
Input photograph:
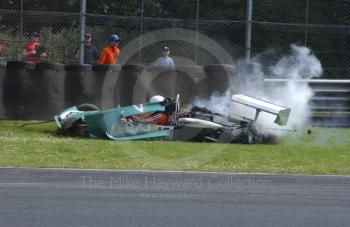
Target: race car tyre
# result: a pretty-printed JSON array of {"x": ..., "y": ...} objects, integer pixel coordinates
[
  {"x": 87, "y": 107},
  {"x": 79, "y": 128},
  {"x": 249, "y": 138}
]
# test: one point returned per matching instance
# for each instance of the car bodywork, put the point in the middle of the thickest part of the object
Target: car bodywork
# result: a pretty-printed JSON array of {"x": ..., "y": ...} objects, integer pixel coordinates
[{"x": 203, "y": 124}]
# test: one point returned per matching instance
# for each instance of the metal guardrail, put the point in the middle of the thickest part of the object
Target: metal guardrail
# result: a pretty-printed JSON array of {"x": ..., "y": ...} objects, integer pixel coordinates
[{"x": 330, "y": 104}]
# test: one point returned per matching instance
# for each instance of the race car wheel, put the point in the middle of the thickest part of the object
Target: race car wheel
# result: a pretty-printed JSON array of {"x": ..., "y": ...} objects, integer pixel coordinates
[
  {"x": 87, "y": 107},
  {"x": 248, "y": 137},
  {"x": 79, "y": 128}
]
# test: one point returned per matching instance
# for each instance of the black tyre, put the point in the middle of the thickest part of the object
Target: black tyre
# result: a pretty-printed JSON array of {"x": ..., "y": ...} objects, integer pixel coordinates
[
  {"x": 78, "y": 67},
  {"x": 87, "y": 107},
  {"x": 249, "y": 138},
  {"x": 79, "y": 128},
  {"x": 106, "y": 67},
  {"x": 51, "y": 66},
  {"x": 135, "y": 67},
  {"x": 20, "y": 65}
]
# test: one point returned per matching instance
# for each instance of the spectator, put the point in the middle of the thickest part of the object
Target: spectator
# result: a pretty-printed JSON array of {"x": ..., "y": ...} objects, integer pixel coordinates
[
  {"x": 32, "y": 51},
  {"x": 2, "y": 46},
  {"x": 90, "y": 51},
  {"x": 2, "y": 50},
  {"x": 165, "y": 60},
  {"x": 110, "y": 53}
]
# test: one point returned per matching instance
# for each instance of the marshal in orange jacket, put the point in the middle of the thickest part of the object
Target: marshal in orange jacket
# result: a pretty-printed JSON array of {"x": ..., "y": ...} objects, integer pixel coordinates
[{"x": 109, "y": 55}]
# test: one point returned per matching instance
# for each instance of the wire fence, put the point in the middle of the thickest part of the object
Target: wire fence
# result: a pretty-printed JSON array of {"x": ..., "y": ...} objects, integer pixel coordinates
[{"x": 197, "y": 31}]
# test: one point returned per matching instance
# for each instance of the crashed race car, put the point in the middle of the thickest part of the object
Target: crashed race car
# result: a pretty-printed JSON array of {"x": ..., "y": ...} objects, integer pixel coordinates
[{"x": 163, "y": 118}]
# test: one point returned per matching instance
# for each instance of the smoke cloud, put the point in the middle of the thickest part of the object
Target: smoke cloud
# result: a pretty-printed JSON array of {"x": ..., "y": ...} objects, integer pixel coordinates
[
  {"x": 218, "y": 103},
  {"x": 299, "y": 65},
  {"x": 292, "y": 92}
]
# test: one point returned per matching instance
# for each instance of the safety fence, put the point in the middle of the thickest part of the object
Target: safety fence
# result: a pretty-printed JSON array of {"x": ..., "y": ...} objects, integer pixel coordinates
[{"x": 148, "y": 25}]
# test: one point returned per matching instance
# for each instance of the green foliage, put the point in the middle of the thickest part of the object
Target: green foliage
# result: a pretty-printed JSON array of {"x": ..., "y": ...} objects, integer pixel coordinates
[
  {"x": 61, "y": 45},
  {"x": 12, "y": 46},
  {"x": 112, "y": 7}
]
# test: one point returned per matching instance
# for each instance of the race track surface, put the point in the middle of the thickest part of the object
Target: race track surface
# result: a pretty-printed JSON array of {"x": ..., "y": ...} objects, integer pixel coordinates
[{"x": 59, "y": 197}]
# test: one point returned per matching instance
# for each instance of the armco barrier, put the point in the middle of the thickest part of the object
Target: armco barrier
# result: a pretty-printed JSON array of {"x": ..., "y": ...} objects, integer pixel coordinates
[
  {"x": 330, "y": 104},
  {"x": 17, "y": 87}
]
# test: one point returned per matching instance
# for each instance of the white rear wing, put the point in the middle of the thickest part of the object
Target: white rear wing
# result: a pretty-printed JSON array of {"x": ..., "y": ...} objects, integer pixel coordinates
[{"x": 281, "y": 112}]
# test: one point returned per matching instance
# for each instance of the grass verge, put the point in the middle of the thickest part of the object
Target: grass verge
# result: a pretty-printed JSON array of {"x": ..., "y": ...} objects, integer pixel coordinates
[{"x": 325, "y": 151}]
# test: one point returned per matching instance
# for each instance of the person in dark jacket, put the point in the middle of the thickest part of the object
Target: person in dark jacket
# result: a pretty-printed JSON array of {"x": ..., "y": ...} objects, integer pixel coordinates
[{"x": 90, "y": 51}]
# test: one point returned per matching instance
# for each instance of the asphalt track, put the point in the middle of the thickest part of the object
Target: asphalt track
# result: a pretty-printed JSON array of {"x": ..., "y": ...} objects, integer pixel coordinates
[{"x": 60, "y": 197}]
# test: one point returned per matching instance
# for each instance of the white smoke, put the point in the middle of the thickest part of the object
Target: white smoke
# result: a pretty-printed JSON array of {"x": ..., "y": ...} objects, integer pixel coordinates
[
  {"x": 293, "y": 93},
  {"x": 218, "y": 103},
  {"x": 301, "y": 64}
]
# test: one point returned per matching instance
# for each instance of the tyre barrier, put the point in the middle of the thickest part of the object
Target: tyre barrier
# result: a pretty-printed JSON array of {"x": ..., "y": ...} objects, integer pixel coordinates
[
  {"x": 43, "y": 90},
  {"x": 79, "y": 85},
  {"x": 17, "y": 90},
  {"x": 2, "y": 76},
  {"x": 167, "y": 82},
  {"x": 105, "y": 77},
  {"x": 188, "y": 79},
  {"x": 220, "y": 78},
  {"x": 124, "y": 89},
  {"x": 161, "y": 81},
  {"x": 48, "y": 90}
]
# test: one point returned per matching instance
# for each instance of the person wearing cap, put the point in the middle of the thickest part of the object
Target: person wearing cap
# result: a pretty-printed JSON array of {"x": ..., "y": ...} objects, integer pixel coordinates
[
  {"x": 110, "y": 53},
  {"x": 90, "y": 51},
  {"x": 32, "y": 51},
  {"x": 165, "y": 60}
]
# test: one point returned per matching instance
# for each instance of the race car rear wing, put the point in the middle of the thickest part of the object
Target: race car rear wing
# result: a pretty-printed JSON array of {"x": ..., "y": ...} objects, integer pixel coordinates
[{"x": 282, "y": 113}]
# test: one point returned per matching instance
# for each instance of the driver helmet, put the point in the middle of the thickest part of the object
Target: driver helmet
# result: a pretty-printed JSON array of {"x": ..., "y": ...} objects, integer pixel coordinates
[{"x": 156, "y": 98}]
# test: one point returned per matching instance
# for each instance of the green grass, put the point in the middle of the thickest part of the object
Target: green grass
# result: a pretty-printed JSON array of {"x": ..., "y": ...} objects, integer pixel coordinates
[{"x": 326, "y": 151}]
